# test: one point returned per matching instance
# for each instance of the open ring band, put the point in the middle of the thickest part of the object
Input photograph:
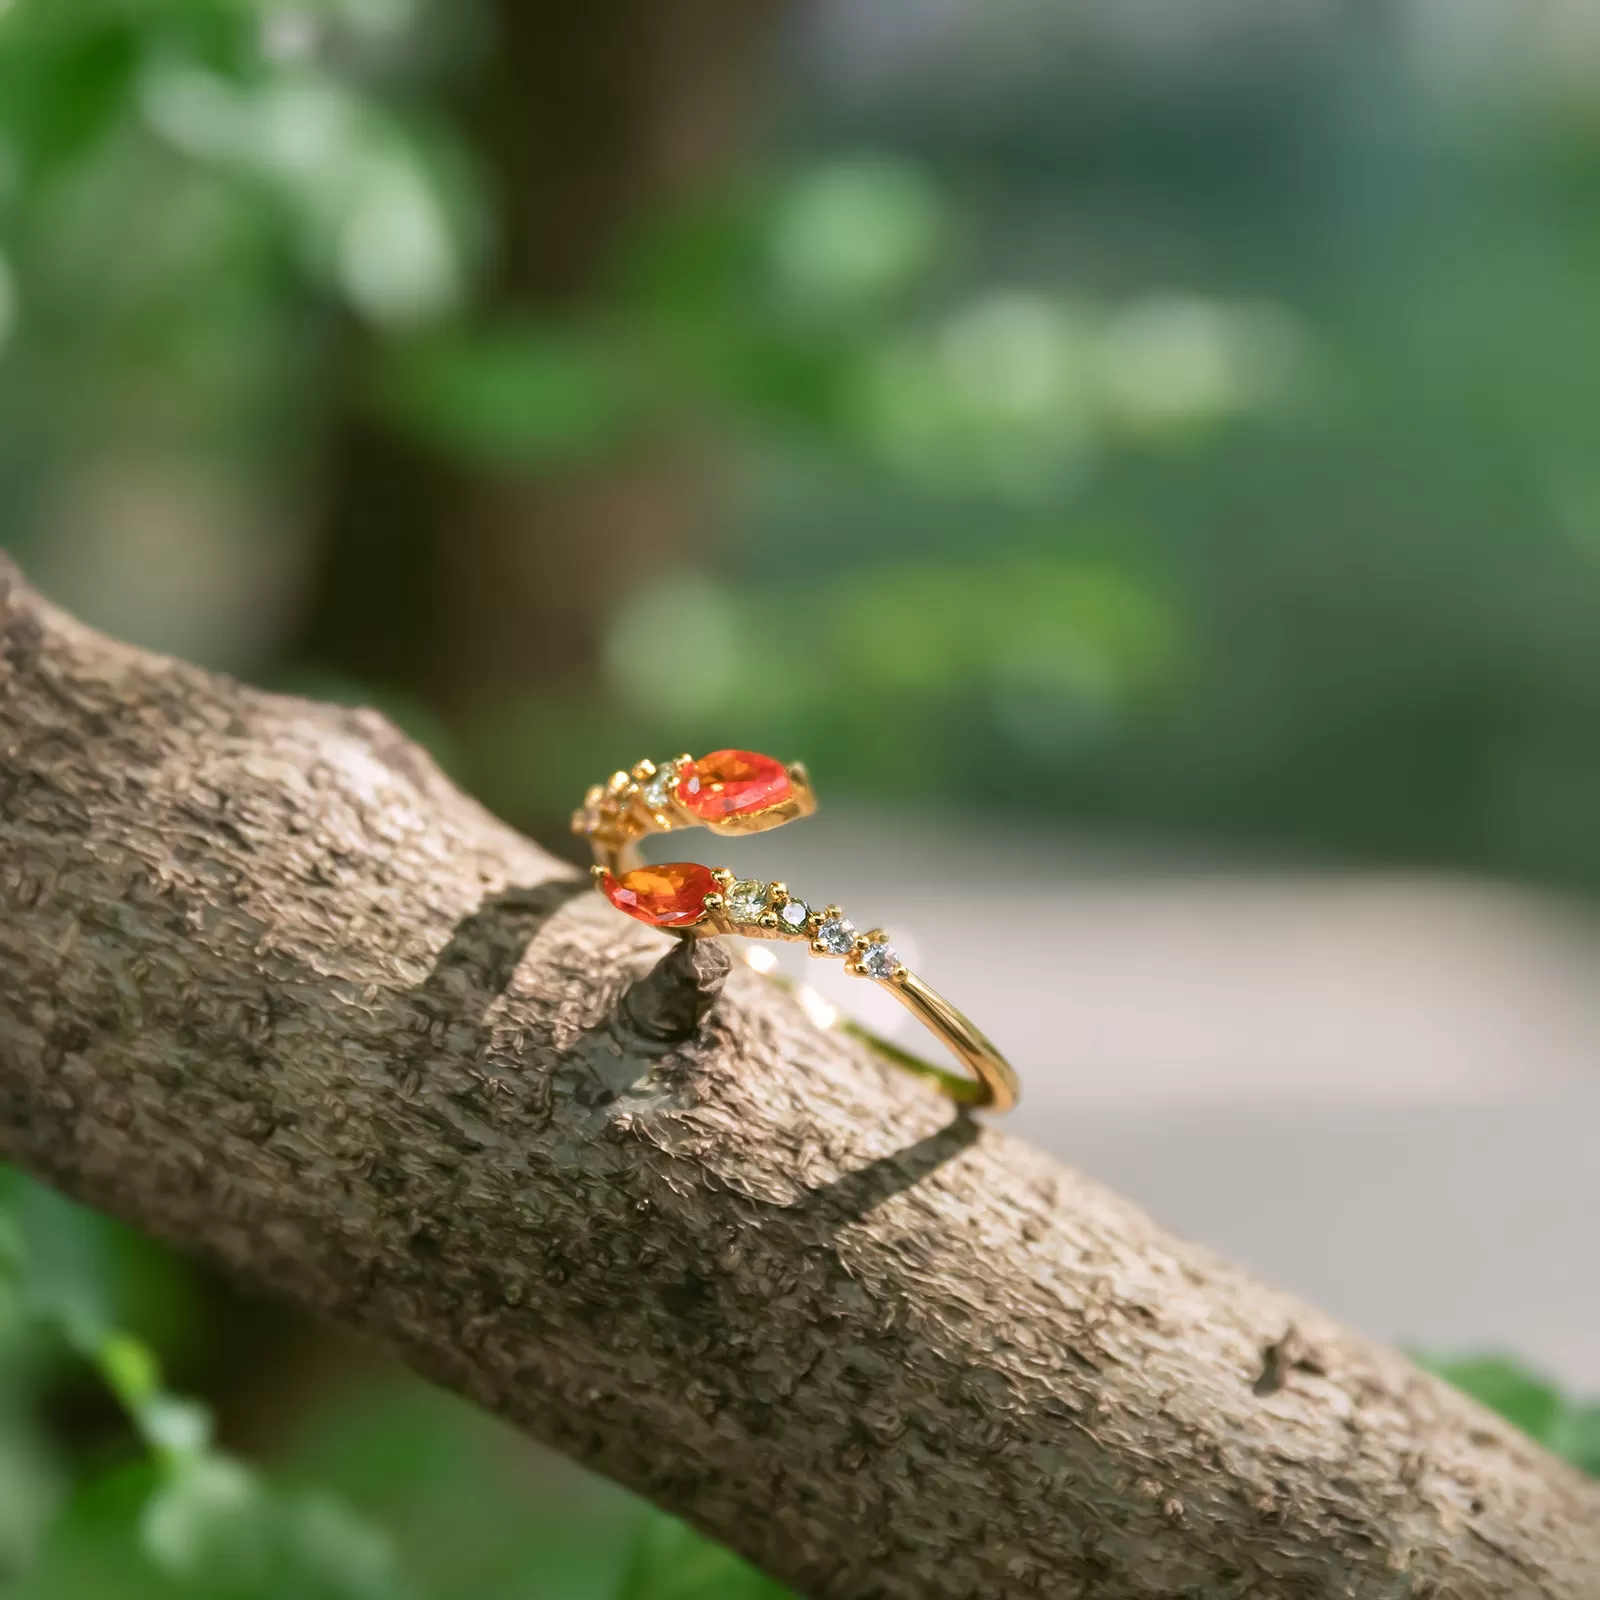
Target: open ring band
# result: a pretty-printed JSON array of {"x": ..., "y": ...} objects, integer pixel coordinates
[{"x": 737, "y": 792}]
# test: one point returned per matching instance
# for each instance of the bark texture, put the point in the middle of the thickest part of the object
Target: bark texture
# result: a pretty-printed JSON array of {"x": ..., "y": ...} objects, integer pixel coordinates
[{"x": 272, "y": 989}]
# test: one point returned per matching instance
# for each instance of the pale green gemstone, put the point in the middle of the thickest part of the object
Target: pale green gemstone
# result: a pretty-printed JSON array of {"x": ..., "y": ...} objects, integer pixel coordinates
[
  {"x": 658, "y": 791},
  {"x": 747, "y": 900}
]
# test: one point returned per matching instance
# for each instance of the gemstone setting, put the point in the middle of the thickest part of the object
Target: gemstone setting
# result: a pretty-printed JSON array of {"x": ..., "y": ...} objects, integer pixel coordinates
[
  {"x": 747, "y": 900},
  {"x": 880, "y": 959},
  {"x": 657, "y": 791},
  {"x": 733, "y": 783},
  {"x": 793, "y": 914},
  {"x": 671, "y": 895},
  {"x": 837, "y": 935}
]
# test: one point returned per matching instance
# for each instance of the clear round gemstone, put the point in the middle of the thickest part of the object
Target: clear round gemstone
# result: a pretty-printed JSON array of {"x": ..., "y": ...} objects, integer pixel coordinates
[
  {"x": 879, "y": 960},
  {"x": 658, "y": 791},
  {"x": 793, "y": 913},
  {"x": 838, "y": 935},
  {"x": 747, "y": 900}
]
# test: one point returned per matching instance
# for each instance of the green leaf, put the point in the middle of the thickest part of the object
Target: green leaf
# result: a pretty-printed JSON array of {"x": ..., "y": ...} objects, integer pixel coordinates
[
  {"x": 64, "y": 84},
  {"x": 329, "y": 1551},
  {"x": 374, "y": 202},
  {"x": 84, "y": 1275},
  {"x": 1509, "y": 1388},
  {"x": 93, "y": 1550},
  {"x": 173, "y": 1426},
  {"x": 1579, "y": 1438},
  {"x": 670, "y": 1561},
  {"x": 31, "y": 1486},
  {"x": 11, "y": 1247},
  {"x": 130, "y": 1369},
  {"x": 215, "y": 1524},
  {"x": 856, "y": 230},
  {"x": 476, "y": 1513},
  {"x": 514, "y": 395},
  {"x": 1570, "y": 1429},
  {"x": 65, "y": 1248},
  {"x": 210, "y": 1522}
]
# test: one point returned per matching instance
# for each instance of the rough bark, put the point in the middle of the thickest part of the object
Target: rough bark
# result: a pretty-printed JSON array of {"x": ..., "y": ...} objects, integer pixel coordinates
[{"x": 271, "y": 989}]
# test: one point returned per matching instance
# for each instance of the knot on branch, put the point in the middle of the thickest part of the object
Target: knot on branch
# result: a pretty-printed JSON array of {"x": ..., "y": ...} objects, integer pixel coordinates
[{"x": 668, "y": 1004}]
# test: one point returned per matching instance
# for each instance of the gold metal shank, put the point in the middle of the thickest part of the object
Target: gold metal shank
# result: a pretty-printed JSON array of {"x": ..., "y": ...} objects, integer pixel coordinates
[{"x": 617, "y": 814}]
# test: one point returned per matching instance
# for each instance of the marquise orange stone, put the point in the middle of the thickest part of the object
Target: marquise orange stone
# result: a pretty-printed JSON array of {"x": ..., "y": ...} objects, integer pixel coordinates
[
  {"x": 669, "y": 896},
  {"x": 733, "y": 783}
]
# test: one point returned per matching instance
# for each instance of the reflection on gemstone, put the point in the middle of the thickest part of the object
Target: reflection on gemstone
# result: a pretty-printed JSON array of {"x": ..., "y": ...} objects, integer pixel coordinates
[
  {"x": 733, "y": 783},
  {"x": 879, "y": 960},
  {"x": 747, "y": 900},
  {"x": 668, "y": 896},
  {"x": 658, "y": 791}
]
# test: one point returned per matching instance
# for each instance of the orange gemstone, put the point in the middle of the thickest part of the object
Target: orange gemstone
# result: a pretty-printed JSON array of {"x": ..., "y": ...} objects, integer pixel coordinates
[
  {"x": 669, "y": 896},
  {"x": 733, "y": 783}
]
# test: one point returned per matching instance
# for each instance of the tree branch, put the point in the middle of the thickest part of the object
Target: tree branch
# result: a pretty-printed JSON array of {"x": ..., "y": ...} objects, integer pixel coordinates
[{"x": 271, "y": 989}]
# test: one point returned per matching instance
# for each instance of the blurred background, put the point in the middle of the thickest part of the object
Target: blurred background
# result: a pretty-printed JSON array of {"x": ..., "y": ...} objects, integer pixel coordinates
[{"x": 1152, "y": 445}]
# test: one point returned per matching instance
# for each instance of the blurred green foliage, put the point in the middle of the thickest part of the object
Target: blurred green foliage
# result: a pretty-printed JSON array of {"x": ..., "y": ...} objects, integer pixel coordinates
[
  {"x": 1291, "y": 357},
  {"x": 395, "y": 1493},
  {"x": 1570, "y": 1428}
]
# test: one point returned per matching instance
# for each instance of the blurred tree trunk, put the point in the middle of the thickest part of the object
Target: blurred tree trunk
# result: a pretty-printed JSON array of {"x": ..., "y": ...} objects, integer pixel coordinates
[{"x": 467, "y": 590}]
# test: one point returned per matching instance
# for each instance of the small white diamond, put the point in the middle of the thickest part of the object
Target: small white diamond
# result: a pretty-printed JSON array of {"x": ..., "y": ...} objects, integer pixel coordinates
[
  {"x": 838, "y": 935},
  {"x": 793, "y": 913},
  {"x": 747, "y": 900},
  {"x": 879, "y": 960},
  {"x": 658, "y": 792}
]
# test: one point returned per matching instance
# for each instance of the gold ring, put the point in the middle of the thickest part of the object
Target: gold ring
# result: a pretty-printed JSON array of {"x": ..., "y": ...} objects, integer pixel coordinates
[{"x": 736, "y": 792}]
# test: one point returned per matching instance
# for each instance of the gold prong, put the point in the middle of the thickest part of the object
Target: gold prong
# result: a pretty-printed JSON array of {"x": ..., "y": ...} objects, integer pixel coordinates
[{"x": 616, "y": 814}]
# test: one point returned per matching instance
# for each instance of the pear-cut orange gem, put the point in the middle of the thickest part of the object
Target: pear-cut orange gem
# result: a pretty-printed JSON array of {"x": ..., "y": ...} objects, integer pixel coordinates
[
  {"x": 669, "y": 896},
  {"x": 733, "y": 783}
]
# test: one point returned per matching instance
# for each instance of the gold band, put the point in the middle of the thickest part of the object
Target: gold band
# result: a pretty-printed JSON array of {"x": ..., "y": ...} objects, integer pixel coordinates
[{"x": 737, "y": 792}]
